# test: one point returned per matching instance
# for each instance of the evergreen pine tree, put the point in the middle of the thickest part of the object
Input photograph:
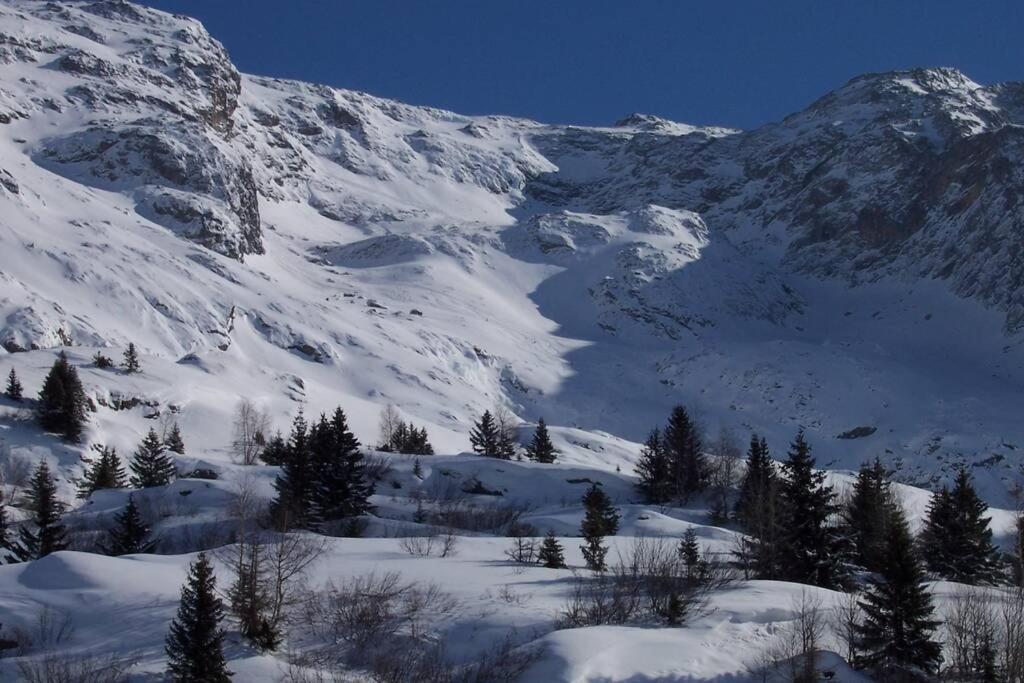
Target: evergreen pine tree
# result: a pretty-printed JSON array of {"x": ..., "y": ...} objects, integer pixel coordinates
[
  {"x": 687, "y": 464},
  {"x": 174, "y": 442},
  {"x": 758, "y": 514},
  {"x": 541, "y": 449},
  {"x": 276, "y": 451},
  {"x": 195, "y": 641},
  {"x": 101, "y": 361},
  {"x": 104, "y": 472},
  {"x": 653, "y": 470},
  {"x": 484, "y": 436},
  {"x": 550, "y": 554},
  {"x": 14, "y": 389},
  {"x": 5, "y": 530},
  {"x": 600, "y": 519},
  {"x": 695, "y": 564},
  {"x": 62, "y": 402},
  {"x": 130, "y": 534},
  {"x": 45, "y": 532},
  {"x": 896, "y": 634},
  {"x": 866, "y": 515},
  {"x": 956, "y": 538},
  {"x": 341, "y": 488},
  {"x": 130, "y": 363},
  {"x": 810, "y": 548},
  {"x": 294, "y": 485},
  {"x": 151, "y": 466}
]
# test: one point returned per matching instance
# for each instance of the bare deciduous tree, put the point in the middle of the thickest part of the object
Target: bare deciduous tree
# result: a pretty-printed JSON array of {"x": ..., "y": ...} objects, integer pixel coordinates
[
  {"x": 389, "y": 421},
  {"x": 249, "y": 432},
  {"x": 724, "y": 469}
]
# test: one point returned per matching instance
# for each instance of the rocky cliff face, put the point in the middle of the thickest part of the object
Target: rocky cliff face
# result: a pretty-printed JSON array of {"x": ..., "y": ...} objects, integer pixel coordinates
[{"x": 818, "y": 271}]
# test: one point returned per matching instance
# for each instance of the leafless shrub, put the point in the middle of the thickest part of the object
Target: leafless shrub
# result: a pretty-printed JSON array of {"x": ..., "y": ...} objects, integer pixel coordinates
[
  {"x": 846, "y": 618},
  {"x": 52, "y": 627},
  {"x": 76, "y": 668},
  {"x": 1012, "y": 621},
  {"x": 389, "y": 421},
  {"x": 724, "y": 473},
  {"x": 377, "y": 467},
  {"x": 511, "y": 596},
  {"x": 651, "y": 583},
  {"x": 495, "y": 518},
  {"x": 972, "y": 633},
  {"x": 441, "y": 541},
  {"x": 249, "y": 432},
  {"x": 524, "y": 544},
  {"x": 792, "y": 656},
  {"x": 15, "y": 471}
]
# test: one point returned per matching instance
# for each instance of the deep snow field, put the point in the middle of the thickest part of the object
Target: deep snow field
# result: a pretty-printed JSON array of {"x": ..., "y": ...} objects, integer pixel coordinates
[{"x": 125, "y": 604}]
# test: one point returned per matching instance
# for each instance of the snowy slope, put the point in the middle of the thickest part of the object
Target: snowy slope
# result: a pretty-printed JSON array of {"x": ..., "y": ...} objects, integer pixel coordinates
[{"x": 847, "y": 267}]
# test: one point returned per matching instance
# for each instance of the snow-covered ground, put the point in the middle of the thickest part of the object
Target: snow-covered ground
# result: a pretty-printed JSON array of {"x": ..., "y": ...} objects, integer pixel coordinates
[{"x": 306, "y": 247}]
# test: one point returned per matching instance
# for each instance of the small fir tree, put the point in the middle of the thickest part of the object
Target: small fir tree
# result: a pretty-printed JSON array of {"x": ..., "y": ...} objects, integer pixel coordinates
[
  {"x": 654, "y": 471},
  {"x": 130, "y": 362},
  {"x": 550, "y": 554},
  {"x": 600, "y": 519},
  {"x": 341, "y": 487},
  {"x": 101, "y": 361},
  {"x": 275, "y": 452},
  {"x": 811, "y": 547},
  {"x": 104, "y": 472},
  {"x": 151, "y": 466},
  {"x": 485, "y": 437},
  {"x": 688, "y": 467},
  {"x": 62, "y": 401},
  {"x": 294, "y": 485},
  {"x": 866, "y": 515},
  {"x": 195, "y": 641},
  {"x": 14, "y": 390},
  {"x": 957, "y": 539},
  {"x": 174, "y": 443},
  {"x": 45, "y": 532},
  {"x": 130, "y": 533},
  {"x": 897, "y": 632},
  {"x": 541, "y": 449}
]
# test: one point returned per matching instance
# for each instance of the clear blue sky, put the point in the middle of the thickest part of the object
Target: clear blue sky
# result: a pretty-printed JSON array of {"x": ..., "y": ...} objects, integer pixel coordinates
[{"x": 593, "y": 61}]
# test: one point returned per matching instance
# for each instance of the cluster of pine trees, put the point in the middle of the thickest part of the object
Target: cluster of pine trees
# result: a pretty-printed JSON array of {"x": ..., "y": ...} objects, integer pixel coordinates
[
  {"x": 494, "y": 436},
  {"x": 798, "y": 530},
  {"x": 323, "y": 474},
  {"x": 672, "y": 466}
]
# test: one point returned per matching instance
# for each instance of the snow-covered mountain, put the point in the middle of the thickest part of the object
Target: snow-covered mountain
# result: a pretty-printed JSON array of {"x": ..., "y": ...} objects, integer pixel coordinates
[{"x": 853, "y": 268}]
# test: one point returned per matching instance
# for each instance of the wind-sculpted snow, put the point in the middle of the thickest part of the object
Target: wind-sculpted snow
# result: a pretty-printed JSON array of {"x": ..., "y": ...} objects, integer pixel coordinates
[{"x": 853, "y": 269}]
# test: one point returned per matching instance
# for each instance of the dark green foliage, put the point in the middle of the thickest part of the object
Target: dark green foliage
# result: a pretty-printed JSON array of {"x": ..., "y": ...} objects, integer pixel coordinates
[
  {"x": 341, "y": 487},
  {"x": 897, "y": 631},
  {"x": 62, "y": 402},
  {"x": 130, "y": 362},
  {"x": 294, "y": 484},
  {"x": 408, "y": 439},
  {"x": 600, "y": 519},
  {"x": 417, "y": 469},
  {"x": 866, "y": 515},
  {"x": 957, "y": 540},
  {"x": 485, "y": 437},
  {"x": 44, "y": 533},
  {"x": 688, "y": 468},
  {"x": 101, "y": 361},
  {"x": 130, "y": 533},
  {"x": 5, "y": 529},
  {"x": 541, "y": 449},
  {"x": 14, "y": 389},
  {"x": 195, "y": 642},
  {"x": 550, "y": 554},
  {"x": 174, "y": 442},
  {"x": 323, "y": 474},
  {"x": 104, "y": 472},
  {"x": 276, "y": 451},
  {"x": 150, "y": 466},
  {"x": 251, "y": 600},
  {"x": 811, "y": 548},
  {"x": 757, "y": 512},
  {"x": 653, "y": 470},
  {"x": 695, "y": 564}
]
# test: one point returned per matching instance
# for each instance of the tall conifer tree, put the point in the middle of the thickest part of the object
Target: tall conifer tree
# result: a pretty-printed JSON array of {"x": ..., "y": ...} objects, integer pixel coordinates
[
  {"x": 485, "y": 437},
  {"x": 195, "y": 641},
  {"x": 130, "y": 533},
  {"x": 150, "y": 466},
  {"x": 600, "y": 519},
  {"x": 541, "y": 449},
  {"x": 687, "y": 464},
  {"x": 13, "y": 390},
  {"x": 104, "y": 472},
  {"x": 897, "y": 632},
  {"x": 62, "y": 401},
  {"x": 811, "y": 548},
  {"x": 44, "y": 533},
  {"x": 758, "y": 512},
  {"x": 654, "y": 470}
]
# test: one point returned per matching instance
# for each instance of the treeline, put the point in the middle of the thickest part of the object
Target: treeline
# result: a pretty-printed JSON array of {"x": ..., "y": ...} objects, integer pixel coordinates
[{"x": 797, "y": 528}]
